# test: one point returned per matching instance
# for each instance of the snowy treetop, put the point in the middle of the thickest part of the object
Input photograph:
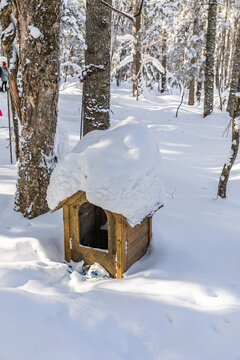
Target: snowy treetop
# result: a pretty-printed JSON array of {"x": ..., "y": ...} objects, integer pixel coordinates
[{"x": 119, "y": 169}]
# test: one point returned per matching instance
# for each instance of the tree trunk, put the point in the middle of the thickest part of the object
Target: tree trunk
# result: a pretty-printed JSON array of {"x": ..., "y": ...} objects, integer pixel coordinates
[
  {"x": 227, "y": 46},
  {"x": 15, "y": 129},
  {"x": 7, "y": 41},
  {"x": 231, "y": 54},
  {"x": 222, "y": 186},
  {"x": 137, "y": 47},
  {"x": 96, "y": 88},
  {"x": 210, "y": 50},
  {"x": 235, "y": 74},
  {"x": 39, "y": 30},
  {"x": 191, "y": 91},
  {"x": 164, "y": 60},
  {"x": 191, "y": 99}
]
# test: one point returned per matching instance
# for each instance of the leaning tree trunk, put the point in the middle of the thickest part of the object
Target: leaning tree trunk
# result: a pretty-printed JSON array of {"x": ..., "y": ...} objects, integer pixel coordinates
[
  {"x": 210, "y": 50},
  {"x": 137, "y": 46},
  {"x": 96, "y": 88},
  {"x": 235, "y": 74},
  {"x": 222, "y": 186},
  {"x": 39, "y": 30}
]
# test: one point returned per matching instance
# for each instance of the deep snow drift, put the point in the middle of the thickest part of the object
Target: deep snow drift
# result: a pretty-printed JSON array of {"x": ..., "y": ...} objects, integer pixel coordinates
[
  {"x": 119, "y": 169},
  {"x": 180, "y": 302}
]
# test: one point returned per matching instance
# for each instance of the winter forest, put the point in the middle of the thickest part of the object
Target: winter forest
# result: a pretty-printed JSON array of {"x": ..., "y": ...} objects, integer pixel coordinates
[{"x": 119, "y": 179}]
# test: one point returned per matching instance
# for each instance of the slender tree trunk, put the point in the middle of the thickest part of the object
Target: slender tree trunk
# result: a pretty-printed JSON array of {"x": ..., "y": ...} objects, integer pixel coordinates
[
  {"x": 96, "y": 88},
  {"x": 8, "y": 45},
  {"x": 227, "y": 47},
  {"x": 230, "y": 60},
  {"x": 200, "y": 78},
  {"x": 164, "y": 60},
  {"x": 191, "y": 94},
  {"x": 137, "y": 46},
  {"x": 199, "y": 86},
  {"x": 210, "y": 50},
  {"x": 223, "y": 50},
  {"x": 39, "y": 30},
  {"x": 235, "y": 74},
  {"x": 16, "y": 130},
  {"x": 222, "y": 186},
  {"x": 217, "y": 72},
  {"x": 191, "y": 99}
]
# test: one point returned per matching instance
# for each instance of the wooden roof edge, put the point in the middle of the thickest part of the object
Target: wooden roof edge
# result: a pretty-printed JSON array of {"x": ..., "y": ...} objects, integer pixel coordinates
[
  {"x": 58, "y": 206},
  {"x": 148, "y": 216},
  {"x": 119, "y": 216},
  {"x": 74, "y": 196}
]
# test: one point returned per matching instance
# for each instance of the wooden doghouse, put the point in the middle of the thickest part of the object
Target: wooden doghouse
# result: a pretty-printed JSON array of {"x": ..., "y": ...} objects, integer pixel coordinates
[{"x": 96, "y": 235}]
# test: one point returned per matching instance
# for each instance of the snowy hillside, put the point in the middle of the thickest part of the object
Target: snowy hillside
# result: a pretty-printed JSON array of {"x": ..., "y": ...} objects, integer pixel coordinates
[{"x": 179, "y": 302}]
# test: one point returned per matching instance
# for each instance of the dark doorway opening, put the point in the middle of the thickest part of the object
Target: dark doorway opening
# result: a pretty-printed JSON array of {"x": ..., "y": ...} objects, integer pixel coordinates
[{"x": 93, "y": 227}]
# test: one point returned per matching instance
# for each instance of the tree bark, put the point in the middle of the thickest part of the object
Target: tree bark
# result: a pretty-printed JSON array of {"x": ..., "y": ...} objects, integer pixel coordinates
[
  {"x": 39, "y": 30},
  {"x": 8, "y": 46},
  {"x": 191, "y": 95},
  {"x": 222, "y": 185},
  {"x": 137, "y": 46},
  {"x": 235, "y": 73},
  {"x": 231, "y": 54},
  {"x": 164, "y": 60},
  {"x": 15, "y": 129},
  {"x": 210, "y": 50},
  {"x": 96, "y": 88}
]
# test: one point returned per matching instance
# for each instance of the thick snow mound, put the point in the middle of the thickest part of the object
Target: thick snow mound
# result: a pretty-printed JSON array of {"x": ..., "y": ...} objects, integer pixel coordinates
[{"x": 119, "y": 169}]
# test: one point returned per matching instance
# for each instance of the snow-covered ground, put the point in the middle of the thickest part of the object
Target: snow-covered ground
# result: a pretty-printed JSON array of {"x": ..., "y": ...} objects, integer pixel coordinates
[{"x": 180, "y": 302}]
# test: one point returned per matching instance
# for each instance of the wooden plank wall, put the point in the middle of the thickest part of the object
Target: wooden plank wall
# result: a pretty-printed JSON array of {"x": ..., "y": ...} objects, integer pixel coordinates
[
  {"x": 137, "y": 242},
  {"x": 126, "y": 245}
]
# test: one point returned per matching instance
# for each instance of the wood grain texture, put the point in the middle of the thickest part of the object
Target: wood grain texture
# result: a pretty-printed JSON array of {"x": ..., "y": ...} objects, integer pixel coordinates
[
  {"x": 67, "y": 236},
  {"x": 137, "y": 242},
  {"x": 126, "y": 244}
]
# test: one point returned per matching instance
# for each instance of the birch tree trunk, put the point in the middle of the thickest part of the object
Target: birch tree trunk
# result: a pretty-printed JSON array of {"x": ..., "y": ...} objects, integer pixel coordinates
[
  {"x": 231, "y": 54},
  {"x": 39, "y": 30},
  {"x": 210, "y": 50},
  {"x": 222, "y": 186},
  {"x": 137, "y": 46},
  {"x": 96, "y": 88},
  {"x": 235, "y": 73},
  {"x": 191, "y": 96}
]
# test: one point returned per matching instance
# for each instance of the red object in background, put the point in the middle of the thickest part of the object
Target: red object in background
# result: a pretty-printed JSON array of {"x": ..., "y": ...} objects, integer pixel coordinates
[{"x": 1, "y": 113}]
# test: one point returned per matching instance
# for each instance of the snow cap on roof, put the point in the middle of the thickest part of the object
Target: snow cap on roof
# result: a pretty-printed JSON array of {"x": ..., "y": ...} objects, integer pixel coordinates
[{"x": 119, "y": 169}]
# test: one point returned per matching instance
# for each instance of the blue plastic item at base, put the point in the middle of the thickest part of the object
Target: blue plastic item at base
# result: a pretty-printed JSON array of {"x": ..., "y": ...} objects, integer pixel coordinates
[{"x": 94, "y": 274}]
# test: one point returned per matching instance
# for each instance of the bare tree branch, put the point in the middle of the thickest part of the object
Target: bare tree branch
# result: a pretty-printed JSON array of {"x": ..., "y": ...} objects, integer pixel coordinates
[
  {"x": 140, "y": 9},
  {"x": 130, "y": 17}
]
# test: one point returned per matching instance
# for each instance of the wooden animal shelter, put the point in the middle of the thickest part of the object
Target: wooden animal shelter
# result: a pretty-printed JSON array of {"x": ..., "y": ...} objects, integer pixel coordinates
[{"x": 97, "y": 235}]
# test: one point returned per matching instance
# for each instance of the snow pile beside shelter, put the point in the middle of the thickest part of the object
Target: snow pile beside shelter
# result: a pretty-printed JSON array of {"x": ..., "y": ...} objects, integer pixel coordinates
[{"x": 119, "y": 169}]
